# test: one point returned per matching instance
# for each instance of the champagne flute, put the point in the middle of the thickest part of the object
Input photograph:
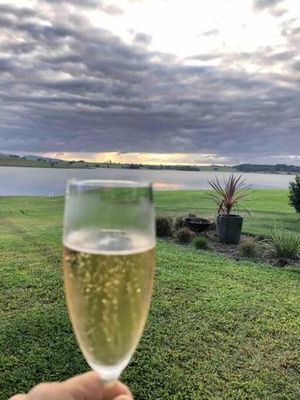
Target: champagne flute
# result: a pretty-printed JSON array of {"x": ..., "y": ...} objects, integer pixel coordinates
[{"x": 109, "y": 259}]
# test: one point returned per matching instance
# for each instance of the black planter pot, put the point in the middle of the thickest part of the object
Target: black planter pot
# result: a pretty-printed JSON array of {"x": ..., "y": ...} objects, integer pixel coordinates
[
  {"x": 197, "y": 224},
  {"x": 229, "y": 228}
]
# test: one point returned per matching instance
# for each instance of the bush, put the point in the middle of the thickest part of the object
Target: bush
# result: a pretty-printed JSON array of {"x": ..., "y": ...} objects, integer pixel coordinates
[
  {"x": 184, "y": 235},
  {"x": 294, "y": 195},
  {"x": 284, "y": 244},
  {"x": 163, "y": 226},
  {"x": 179, "y": 222},
  {"x": 201, "y": 243},
  {"x": 248, "y": 248}
]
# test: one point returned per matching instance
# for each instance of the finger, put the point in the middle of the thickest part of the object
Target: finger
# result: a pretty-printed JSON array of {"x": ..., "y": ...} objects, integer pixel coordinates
[
  {"x": 123, "y": 397},
  {"x": 86, "y": 386},
  {"x": 90, "y": 386},
  {"x": 18, "y": 397},
  {"x": 50, "y": 391},
  {"x": 116, "y": 389}
]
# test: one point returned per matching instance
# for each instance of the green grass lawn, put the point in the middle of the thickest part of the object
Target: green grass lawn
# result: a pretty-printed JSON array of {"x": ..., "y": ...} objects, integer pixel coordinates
[
  {"x": 217, "y": 329},
  {"x": 261, "y": 210}
]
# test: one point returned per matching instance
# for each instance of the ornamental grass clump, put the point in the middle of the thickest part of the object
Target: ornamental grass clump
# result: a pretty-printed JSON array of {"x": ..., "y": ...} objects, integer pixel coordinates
[
  {"x": 184, "y": 235},
  {"x": 179, "y": 222},
  {"x": 164, "y": 226},
  {"x": 248, "y": 248},
  {"x": 284, "y": 244}
]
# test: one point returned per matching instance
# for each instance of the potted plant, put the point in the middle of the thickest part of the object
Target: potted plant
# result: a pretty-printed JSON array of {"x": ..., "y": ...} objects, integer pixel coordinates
[{"x": 227, "y": 197}]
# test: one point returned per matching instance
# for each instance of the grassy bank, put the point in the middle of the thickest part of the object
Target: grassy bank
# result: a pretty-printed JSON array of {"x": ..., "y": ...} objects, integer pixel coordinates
[
  {"x": 217, "y": 328},
  {"x": 21, "y": 162},
  {"x": 261, "y": 210},
  {"x": 44, "y": 163}
]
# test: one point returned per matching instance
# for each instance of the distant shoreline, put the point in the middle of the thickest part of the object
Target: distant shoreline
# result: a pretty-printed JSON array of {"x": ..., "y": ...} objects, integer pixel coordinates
[
  {"x": 62, "y": 164},
  {"x": 93, "y": 166},
  {"x": 32, "y": 161}
]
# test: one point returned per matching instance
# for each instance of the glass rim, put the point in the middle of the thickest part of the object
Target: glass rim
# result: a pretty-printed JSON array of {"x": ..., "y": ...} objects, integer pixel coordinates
[{"x": 108, "y": 183}]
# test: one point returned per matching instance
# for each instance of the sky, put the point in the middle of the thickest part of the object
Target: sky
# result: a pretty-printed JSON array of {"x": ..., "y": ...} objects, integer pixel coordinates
[{"x": 151, "y": 81}]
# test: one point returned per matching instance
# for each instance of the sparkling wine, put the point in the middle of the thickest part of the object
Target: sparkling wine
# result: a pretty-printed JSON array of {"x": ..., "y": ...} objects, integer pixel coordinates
[{"x": 108, "y": 281}]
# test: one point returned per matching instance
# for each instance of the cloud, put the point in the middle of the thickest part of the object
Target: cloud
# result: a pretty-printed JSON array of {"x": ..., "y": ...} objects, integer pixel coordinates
[
  {"x": 211, "y": 32},
  {"x": 142, "y": 38},
  {"x": 85, "y": 3},
  {"x": 109, "y": 8},
  {"x": 68, "y": 86},
  {"x": 20, "y": 12},
  {"x": 264, "y": 4}
]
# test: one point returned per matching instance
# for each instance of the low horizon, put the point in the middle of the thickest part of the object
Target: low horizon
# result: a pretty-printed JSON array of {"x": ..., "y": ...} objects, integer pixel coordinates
[{"x": 61, "y": 157}]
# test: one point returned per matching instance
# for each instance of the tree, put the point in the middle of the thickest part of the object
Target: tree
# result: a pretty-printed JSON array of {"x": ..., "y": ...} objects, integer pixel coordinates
[{"x": 294, "y": 195}]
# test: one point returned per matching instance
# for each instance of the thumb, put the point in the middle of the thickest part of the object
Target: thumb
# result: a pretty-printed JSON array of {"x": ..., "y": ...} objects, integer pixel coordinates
[
  {"x": 93, "y": 389},
  {"x": 116, "y": 391},
  {"x": 84, "y": 387},
  {"x": 123, "y": 397}
]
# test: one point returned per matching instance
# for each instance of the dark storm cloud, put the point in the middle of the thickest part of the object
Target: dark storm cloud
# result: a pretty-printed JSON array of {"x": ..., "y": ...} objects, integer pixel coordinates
[
  {"x": 20, "y": 12},
  {"x": 66, "y": 86},
  {"x": 6, "y": 65}
]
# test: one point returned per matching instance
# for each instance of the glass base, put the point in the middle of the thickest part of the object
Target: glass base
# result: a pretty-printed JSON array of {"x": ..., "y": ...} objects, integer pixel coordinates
[{"x": 109, "y": 373}]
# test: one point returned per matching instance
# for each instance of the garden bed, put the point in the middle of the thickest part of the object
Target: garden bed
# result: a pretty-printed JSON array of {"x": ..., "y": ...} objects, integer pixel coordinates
[
  {"x": 251, "y": 247},
  {"x": 263, "y": 255}
]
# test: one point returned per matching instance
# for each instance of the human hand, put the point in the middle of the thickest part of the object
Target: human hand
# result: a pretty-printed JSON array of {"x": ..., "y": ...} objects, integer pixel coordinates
[{"x": 83, "y": 387}]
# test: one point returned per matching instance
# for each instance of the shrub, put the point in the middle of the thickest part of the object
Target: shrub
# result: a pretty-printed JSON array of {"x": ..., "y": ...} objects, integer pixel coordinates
[
  {"x": 201, "y": 243},
  {"x": 284, "y": 244},
  {"x": 184, "y": 235},
  {"x": 248, "y": 248},
  {"x": 179, "y": 222},
  {"x": 163, "y": 226},
  {"x": 294, "y": 194}
]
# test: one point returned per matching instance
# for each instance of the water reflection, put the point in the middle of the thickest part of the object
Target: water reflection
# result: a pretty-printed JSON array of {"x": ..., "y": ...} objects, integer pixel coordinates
[
  {"x": 51, "y": 182},
  {"x": 167, "y": 186}
]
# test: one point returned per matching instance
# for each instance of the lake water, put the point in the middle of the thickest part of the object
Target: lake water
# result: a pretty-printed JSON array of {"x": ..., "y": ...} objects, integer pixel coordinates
[{"x": 51, "y": 182}]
